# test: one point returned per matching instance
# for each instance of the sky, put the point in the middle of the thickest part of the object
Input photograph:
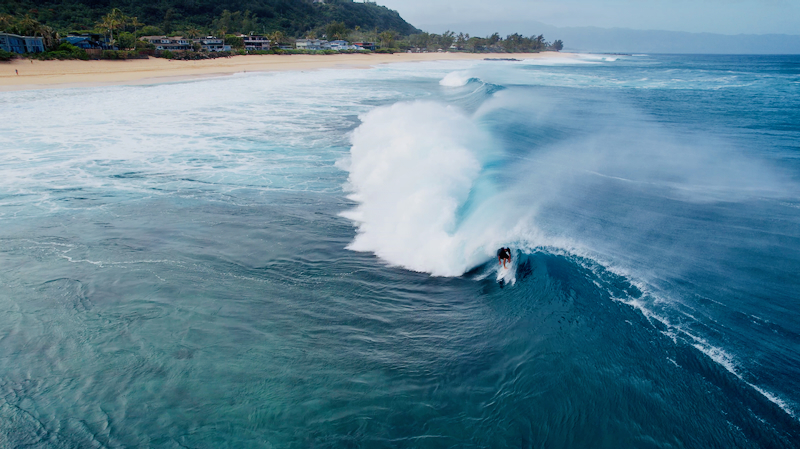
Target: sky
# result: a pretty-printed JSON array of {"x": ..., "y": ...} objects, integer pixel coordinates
[{"x": 696, "y": 16}]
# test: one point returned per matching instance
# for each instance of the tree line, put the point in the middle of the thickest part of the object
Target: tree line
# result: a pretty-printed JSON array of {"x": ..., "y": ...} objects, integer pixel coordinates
[
  {"x": 123, "y": 31},
  {"x": 514, "y": 43},
  {"x": 291, "y": 17}
]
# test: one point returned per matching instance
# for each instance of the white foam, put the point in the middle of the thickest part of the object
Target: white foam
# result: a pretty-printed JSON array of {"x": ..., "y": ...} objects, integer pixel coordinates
[
  {"x": 577, "y": 60},
  {"x": 727, "y": 361},
  {"x": 455, "y": 79},
  {"x": 776, "y": 400}
]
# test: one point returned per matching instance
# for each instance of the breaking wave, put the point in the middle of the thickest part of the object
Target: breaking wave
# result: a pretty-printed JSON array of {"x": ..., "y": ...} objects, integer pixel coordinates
[
  {"x": 457, "y": 79},
  {"x": 415, "y": 170},
  {"x": 436, "y": 192}
]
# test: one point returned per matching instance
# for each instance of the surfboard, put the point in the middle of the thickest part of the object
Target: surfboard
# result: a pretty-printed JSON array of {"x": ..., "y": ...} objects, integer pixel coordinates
[{"x": 507, "y": 275}]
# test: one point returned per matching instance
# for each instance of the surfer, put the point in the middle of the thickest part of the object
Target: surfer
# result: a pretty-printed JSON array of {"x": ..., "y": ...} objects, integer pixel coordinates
[{"x": 503, "y": 256}]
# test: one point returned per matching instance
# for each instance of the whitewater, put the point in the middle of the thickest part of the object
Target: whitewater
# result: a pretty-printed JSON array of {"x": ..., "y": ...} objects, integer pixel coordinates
[{"x": 309, "y": 258}]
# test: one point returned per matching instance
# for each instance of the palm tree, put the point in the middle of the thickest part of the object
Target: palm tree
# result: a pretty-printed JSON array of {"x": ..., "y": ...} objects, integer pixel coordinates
[
  {"x": 6, "y": 22},
  {"x": 192, "y": 33},
  {"x": 113, "y": 20},
  {"x": 28, "y": 26},
  {"x": 387, "y": 39},
  {"x": 134, "y": 22},
  {"x": 50, "y": 37},
  {"x": 336, "y": 30},
  {"x": 276, "y": 37},
  {"x": 540, "y": 42}
]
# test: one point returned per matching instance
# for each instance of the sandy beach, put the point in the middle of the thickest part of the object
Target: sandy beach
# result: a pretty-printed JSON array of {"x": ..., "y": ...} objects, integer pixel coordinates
[{"x": 34, "y": 74}]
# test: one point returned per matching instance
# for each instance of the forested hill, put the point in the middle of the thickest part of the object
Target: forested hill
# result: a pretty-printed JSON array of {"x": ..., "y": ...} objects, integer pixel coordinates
[{"x": 293, "y": 17}]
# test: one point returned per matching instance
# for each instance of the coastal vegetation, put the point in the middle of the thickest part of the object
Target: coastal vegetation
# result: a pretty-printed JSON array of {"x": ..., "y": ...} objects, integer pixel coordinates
[
  {"x": 292, "y": 17},
  {"x": 25, "y": 25},
  {"x": 281, "y": 21}
]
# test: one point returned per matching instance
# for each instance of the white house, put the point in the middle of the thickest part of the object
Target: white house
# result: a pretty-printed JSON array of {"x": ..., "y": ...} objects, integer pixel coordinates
[
  {"x": 312, "y": 44},
  {"x": 340, "y": 45},
  {"x": 169, "y": 43},
  {"x": 254, "y": 42},
  {"x": 211, "y": 44}
]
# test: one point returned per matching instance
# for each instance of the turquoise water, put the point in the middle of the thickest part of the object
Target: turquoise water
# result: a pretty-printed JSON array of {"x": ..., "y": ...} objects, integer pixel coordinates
[{"x": 307, "y": 259}]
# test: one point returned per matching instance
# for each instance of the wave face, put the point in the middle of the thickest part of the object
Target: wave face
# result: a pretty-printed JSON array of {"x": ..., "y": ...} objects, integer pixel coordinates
[{"x": 308, "y": 259}]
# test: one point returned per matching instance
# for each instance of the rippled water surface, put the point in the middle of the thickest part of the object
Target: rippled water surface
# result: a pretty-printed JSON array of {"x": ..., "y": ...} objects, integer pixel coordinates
[{"x": 307, "y": 259}]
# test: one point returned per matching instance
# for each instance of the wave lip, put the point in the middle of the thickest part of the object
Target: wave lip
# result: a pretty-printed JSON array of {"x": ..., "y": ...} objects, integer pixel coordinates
[{"x": 456, "y": 79}]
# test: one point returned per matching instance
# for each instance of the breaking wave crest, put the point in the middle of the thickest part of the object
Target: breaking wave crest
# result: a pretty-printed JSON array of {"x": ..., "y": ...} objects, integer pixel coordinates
[
  {"x": 457, "y": 79},
  {"x": 421, "y": 175}
]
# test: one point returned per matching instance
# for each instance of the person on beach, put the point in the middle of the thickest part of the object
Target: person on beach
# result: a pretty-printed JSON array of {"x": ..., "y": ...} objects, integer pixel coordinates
[
  {"x": 16, "y": 71},
  {"x": 503, "y": 256}
]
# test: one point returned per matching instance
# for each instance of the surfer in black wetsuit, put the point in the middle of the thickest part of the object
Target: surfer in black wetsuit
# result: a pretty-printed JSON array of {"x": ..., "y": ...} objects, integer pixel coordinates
[{"x": 503, "y": 256}]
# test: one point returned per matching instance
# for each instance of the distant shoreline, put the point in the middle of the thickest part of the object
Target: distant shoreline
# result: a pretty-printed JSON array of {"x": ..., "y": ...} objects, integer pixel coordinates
[{"x": 34, "y": 74}]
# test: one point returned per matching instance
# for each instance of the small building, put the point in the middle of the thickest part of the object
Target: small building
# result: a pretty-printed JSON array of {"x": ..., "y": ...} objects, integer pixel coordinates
[
  {"x": 212, "y": 44},
  {"x": 169, "y": 43},
  {"x": 254, "y": 42},
  {"x": 312, "y": 44},
  {"x": 87, "y": 41},
  {"x": 340, "y": 45},
  {"x": 365, "y": 45},
  {"x": 15, "y": 43}
]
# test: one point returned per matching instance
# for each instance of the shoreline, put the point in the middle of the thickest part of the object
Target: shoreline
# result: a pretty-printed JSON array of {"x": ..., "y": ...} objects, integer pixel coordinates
[{"x": 55, "y": 74}]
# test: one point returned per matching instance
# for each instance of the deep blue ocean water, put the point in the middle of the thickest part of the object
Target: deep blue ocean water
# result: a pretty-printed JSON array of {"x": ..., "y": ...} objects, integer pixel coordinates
[{"x": 291, "y": 260}]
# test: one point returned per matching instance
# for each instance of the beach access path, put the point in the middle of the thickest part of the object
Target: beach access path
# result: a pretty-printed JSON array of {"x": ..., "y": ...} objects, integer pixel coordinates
[{"x": 26, "y": 74}]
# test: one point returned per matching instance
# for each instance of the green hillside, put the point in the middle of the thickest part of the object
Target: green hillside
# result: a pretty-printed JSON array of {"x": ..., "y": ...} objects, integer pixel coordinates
[{"x": 293, "y": 17}]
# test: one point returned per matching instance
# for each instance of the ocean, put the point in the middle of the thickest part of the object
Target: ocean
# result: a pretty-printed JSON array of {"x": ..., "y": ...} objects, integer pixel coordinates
[{"x": 307, "y": 259}]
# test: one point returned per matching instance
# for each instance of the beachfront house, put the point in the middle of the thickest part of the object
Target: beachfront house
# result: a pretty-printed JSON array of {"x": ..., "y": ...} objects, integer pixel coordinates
[
  {"x": 89, "y": 41},
  {"x": 253, "y": 42},
  {"x": 169, "y": 43},
  {"x": 15, "y": 43},
  {"x": 365, "y": 45},
  {"x": 208, "y": 43},
  {"x": 211, "y": 44},
  {"x": 312, "y": 44},
  {"x": 340, "y": 45}
]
